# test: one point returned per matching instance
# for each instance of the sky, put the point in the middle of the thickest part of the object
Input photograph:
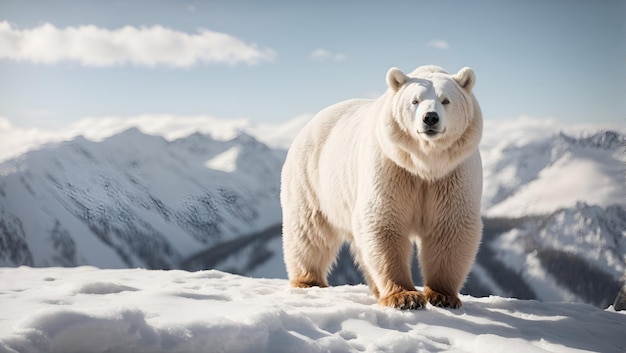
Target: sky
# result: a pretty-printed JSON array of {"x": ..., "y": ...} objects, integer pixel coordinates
[{"x": 272, "y": 61}]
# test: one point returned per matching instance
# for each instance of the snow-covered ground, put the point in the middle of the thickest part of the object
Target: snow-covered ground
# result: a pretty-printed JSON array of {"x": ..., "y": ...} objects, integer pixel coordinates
[{"x": 85, "y": 310}]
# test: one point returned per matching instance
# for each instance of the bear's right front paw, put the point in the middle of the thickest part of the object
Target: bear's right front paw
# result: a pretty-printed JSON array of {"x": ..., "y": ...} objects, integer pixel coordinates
[
  {"x": 442, "y": 300},
  {"x": 404, "y": 300}
]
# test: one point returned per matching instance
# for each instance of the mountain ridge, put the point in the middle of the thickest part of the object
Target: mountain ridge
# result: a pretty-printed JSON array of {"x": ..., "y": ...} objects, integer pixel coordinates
[{"x": 132, "y": 191}]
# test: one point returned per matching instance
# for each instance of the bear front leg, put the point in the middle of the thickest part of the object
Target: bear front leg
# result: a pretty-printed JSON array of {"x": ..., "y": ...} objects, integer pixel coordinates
[
  {"x": 385, "y": 257},
  {"x": 445, "y": 262}
]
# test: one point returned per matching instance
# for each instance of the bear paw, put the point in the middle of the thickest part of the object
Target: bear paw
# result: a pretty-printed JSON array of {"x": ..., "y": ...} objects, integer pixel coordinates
[
  {"x": 404, "y": 300},
  {"x": 442, "y": 300},
  {"x": 308, "y": 284}
]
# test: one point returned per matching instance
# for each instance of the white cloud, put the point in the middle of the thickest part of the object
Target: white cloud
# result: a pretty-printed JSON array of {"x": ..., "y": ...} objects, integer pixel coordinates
[
  {"x": 323, "y": 54},
  {"x": 144, "y": 46},
  {"x": 438, "y": 44}
]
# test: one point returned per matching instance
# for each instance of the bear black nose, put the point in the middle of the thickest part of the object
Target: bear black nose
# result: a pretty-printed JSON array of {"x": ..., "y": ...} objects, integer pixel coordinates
[{"x": 431, "y": 118}]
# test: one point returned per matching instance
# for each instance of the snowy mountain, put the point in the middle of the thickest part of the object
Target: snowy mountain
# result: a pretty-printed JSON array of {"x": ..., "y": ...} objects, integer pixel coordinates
[
  {"x": 574, "y": 254},
  {"x": 553, "y": 207},
  {"x": 134, "y": 199},
  {"x": 543, "y": 175}
]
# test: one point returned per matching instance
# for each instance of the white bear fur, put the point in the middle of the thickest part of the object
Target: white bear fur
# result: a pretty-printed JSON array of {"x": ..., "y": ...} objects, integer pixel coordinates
[{"x": 365, "y": 171}]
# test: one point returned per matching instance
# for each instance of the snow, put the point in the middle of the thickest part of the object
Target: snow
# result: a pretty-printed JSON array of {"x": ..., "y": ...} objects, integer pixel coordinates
[
  {"x": 593, "y": 235},
  {"x": 522, "y": 161},
  {"x": 85, "y": 309},
  {"x": 596, "y": 176},
  {"x": 225, "y": 161}
]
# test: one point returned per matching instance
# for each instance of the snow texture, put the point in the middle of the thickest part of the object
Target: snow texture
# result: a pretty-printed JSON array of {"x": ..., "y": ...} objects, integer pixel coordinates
[{"x": 85, "y": 309}]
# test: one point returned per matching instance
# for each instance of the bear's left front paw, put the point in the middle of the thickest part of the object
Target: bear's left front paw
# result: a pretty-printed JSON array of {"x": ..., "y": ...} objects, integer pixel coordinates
[{"x": 442, "y": 300}]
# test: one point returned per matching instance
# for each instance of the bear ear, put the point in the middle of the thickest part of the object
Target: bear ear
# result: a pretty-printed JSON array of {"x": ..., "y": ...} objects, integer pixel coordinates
[
  {"x": 396, "y": 78},
  {"x": 465, "y": 78}
]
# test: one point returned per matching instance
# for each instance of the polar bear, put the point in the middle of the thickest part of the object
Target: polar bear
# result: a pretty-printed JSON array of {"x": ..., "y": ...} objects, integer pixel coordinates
[{"x": 381, "y": 174}]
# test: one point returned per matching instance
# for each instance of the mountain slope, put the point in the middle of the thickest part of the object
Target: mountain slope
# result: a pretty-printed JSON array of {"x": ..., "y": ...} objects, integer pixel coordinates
[
  {"x": 540, "y": 176},
  {"x": 574, "y": 254},
  {"x": 134, "y": 199}
]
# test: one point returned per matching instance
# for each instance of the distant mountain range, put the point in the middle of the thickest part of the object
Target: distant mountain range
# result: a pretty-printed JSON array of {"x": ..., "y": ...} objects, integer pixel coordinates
[
  {"x": 134, "y": 200},
  {"x": 553, "y": 208}
]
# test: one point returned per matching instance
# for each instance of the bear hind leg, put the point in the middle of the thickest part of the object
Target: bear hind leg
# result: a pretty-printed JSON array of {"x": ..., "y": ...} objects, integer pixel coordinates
[
  {"x": 358, "y": 260},
  {"x": 310, "y": 249}
]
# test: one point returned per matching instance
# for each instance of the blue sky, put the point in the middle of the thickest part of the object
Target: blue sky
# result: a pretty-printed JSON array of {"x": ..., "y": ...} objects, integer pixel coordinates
[{"x": 545, "y": 59}]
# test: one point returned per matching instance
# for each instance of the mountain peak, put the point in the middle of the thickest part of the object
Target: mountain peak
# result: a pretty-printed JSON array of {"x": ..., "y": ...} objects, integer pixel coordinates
[
  {"x": 134, "y": 133},
  {"x": 605, "y": 140},
  {"x": 245, "y": 138}
]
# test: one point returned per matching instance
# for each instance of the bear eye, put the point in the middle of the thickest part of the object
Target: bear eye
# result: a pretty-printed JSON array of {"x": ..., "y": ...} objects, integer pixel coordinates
[
  {"x": 415, "y": 101},
  {"x": 445, "y": 101}
]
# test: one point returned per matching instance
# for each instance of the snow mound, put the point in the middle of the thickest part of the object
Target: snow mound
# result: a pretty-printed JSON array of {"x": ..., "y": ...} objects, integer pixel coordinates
[{"x": 137, "y": 310}]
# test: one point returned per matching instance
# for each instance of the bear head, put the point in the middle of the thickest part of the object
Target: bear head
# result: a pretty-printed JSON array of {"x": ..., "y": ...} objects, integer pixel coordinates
[{"x": 433, "y": 119}]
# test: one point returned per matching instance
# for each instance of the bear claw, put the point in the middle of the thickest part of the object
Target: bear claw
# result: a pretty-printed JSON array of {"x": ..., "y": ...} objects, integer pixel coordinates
[
  {"x": 299, "y": 284},
  {"x": 442, "y": 300},
  {"x": 405, "y": 300}
]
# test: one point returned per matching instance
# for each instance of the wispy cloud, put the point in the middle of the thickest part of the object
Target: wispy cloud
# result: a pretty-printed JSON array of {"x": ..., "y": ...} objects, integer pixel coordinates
[
  {"x": 323, "y": 54},
  {"x": 143, "y": 46},
  {"x": 438, "y": 44}
]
